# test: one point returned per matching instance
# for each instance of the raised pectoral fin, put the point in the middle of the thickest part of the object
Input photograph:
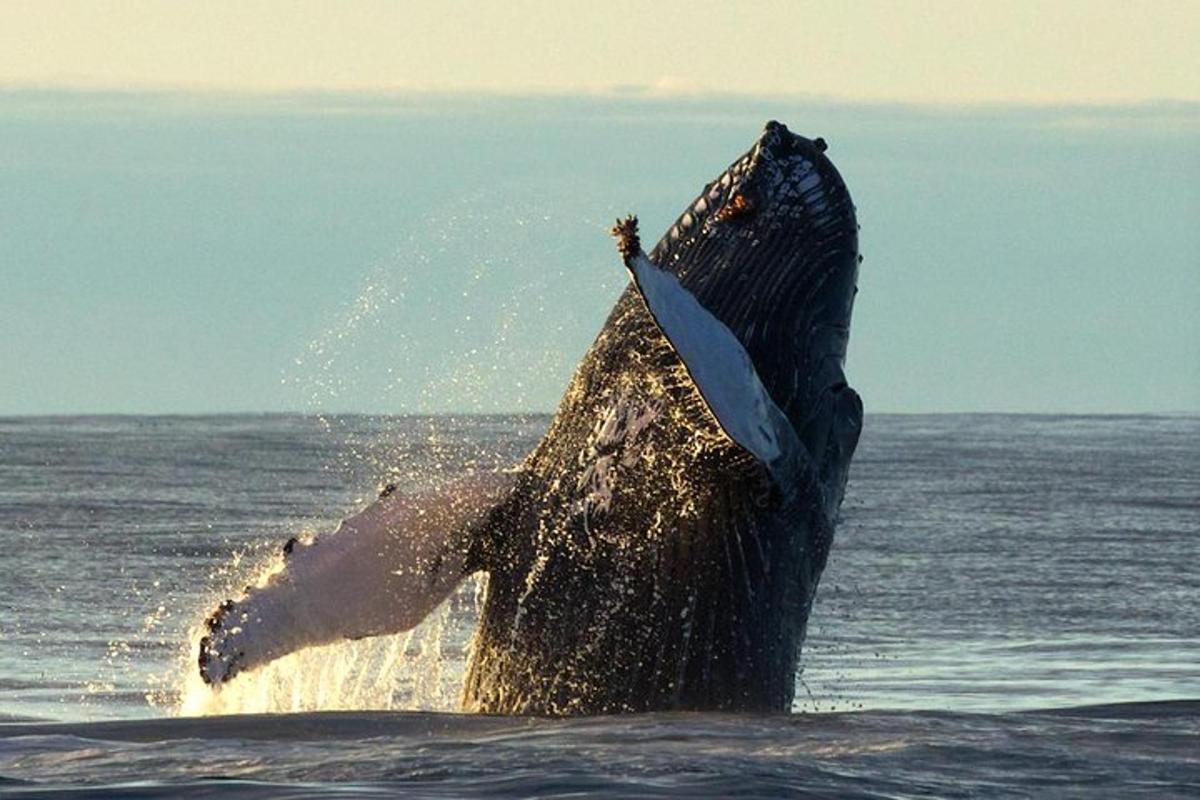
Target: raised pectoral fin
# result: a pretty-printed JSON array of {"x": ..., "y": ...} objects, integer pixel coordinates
[
  {"x": 717, "y": 362},
  {"x": 382, "y": 571}
]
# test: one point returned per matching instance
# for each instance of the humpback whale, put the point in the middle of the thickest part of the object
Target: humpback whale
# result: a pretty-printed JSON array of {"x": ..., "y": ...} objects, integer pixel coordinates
[{"x": 661, "y": 546}]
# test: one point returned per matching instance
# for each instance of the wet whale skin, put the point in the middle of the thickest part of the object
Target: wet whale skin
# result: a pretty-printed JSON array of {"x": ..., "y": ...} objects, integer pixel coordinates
[{"x": 645, "y": 560}]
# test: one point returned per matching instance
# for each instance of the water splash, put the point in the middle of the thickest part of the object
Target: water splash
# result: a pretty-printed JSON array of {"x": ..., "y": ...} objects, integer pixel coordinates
[
  {"x": 401, "y": 343},
  {"x": 482, "y": 309},
  {"x": 421, "y": 669}
]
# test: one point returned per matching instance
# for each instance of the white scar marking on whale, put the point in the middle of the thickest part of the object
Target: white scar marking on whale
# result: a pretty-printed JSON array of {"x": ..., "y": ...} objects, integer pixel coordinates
[{"x": 613, "y": 444}]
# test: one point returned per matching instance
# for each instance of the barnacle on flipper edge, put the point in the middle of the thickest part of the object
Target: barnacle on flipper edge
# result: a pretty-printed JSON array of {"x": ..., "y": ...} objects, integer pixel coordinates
[
  {"x": 628, "y": 242},
  {"x": 209, "y": 648}
]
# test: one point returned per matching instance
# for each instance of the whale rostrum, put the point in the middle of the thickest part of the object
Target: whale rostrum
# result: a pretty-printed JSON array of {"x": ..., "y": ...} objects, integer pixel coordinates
[{"x": 661, "y": 546}]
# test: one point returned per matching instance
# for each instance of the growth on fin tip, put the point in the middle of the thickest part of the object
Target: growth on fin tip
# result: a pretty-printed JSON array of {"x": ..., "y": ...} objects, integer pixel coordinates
[{"x": 628, "y": 241}]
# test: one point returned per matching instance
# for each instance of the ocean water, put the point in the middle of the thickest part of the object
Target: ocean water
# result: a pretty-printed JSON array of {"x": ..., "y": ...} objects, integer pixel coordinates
[{"x": 1012, "y": 608}]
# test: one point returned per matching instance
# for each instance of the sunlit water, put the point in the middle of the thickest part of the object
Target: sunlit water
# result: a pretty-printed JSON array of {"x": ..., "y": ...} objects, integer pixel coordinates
[{"x": 988, "y": 570}]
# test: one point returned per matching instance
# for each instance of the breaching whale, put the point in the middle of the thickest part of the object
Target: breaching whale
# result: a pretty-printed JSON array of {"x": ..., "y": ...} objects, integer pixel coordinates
[{"x": 661, "y": 546}]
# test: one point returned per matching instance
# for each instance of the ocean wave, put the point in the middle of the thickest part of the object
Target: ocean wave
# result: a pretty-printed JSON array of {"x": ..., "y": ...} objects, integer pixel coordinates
[{"x": 1113, "y": 750}]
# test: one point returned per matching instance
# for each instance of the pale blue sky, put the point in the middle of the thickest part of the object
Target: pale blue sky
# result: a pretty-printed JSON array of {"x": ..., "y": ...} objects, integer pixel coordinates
[
  {"x": 401, "y": 206},
  {"x": 195, "y": 253}
]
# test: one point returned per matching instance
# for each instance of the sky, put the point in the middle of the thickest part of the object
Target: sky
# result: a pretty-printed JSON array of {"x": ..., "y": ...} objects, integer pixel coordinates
[
  {"x": 375, "y": 207},
  {"x": 939, "y": 51}
]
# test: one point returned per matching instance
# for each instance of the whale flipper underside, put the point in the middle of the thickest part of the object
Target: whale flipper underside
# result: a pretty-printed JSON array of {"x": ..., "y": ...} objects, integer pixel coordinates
[
  {"x": 381, "y": 571},
  {"x": 662, "y": 545}
]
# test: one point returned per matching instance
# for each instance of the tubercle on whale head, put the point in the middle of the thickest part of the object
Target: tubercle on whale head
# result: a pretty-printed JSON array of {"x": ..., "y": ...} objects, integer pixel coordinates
[
  {"x": 782, "y": 184},
  {"x": 755, "y": 188},
  {"x": 761, "y": 181}
]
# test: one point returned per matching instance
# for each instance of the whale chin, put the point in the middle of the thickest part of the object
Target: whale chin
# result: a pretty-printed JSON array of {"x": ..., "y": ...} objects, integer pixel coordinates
[{"x": 662, "y": 545}]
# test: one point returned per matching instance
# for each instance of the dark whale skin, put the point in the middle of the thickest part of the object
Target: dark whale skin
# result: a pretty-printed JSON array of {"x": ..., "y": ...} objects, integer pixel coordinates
[{"x": 645, "y": 561}]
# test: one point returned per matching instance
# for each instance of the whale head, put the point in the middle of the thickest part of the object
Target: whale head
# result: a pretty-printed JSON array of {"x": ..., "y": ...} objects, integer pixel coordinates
[{"x": 770, "y": 248}]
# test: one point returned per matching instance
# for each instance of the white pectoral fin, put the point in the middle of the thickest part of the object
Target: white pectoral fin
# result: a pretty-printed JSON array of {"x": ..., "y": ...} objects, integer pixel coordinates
[
  {"x": 382, "y": 571},
  {"x": 721, "y": 369}
]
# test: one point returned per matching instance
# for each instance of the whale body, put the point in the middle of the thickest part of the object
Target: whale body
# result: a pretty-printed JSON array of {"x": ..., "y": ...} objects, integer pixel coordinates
[{"x": 662, "y": 545}]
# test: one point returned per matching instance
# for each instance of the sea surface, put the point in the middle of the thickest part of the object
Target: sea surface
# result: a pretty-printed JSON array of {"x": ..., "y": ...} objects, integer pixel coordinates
[{"x": 1012, "y": 608}]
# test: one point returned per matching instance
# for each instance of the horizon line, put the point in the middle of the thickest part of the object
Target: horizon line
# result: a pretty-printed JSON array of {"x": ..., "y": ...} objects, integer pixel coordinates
[
  {"x": 493, "y": 414},
  {"x": 615, "y": 92}
]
